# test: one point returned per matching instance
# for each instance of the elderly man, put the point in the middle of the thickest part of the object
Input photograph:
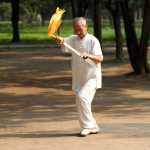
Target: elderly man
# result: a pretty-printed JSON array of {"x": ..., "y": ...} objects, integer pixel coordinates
[{"x": 85, "y": 77}]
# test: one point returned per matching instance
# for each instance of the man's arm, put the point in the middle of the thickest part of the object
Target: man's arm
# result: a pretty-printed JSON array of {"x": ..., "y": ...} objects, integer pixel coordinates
[{"x": 95, "y": 58}]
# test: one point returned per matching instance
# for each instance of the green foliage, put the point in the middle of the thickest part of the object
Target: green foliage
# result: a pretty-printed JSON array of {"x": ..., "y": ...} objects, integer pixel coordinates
[
  {"x": 6, "y": 10},
  {"x": 27, "y": 12}
]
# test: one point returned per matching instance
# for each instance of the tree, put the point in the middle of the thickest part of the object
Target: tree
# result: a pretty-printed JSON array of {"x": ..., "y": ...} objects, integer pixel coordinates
[
  {"x": 42, "y": 7},
  {"x": 137, "y": 51},
  {"x": 27, "y": 12},
  {"x": 97, "y": 20},
  {"x": 116, "y": 13},
  {"x": 79, "y": 7},
  {"x": 45, "y": 7},
  {"x": 73, "y": 8},
  {"x": 82, "y": 7},
  {"x": 15, "y": 19}
]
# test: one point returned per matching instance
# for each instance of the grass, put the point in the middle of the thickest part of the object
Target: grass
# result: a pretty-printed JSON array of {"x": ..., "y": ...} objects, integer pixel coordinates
[{"x": 35, "y": 33}]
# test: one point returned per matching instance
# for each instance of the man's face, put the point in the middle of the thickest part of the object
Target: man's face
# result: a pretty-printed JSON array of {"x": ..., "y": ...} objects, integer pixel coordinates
[{"x": 79, "y": 29}]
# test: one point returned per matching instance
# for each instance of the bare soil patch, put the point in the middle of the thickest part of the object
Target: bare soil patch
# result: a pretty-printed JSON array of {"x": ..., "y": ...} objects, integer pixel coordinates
[{"x": 37, "y": 105}]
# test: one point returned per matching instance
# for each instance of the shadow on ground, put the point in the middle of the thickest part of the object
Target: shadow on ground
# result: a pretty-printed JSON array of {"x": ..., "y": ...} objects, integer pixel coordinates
[{"x": 36, "y": 87}]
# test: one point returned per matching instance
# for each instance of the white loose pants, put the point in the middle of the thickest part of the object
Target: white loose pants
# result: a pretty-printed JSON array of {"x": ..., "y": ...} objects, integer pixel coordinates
[{"x": 83, "y": 102}]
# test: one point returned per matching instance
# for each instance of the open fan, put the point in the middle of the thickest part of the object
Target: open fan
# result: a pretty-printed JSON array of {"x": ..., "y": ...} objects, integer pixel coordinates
[{"x": 55, "y": 22}]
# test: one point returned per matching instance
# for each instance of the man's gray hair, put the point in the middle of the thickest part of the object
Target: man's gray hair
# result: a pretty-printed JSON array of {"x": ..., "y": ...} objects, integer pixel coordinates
[{"x": 81, "y": 19}]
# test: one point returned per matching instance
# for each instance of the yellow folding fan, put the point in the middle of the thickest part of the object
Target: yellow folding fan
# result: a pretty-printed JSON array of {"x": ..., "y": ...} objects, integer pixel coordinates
[{"x": 55, "y": 22}]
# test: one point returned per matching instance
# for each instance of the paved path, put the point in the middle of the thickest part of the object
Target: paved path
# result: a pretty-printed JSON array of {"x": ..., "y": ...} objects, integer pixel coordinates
[
  {"x": 38, "y": 112},
  {"x": 48, "y": 45}
]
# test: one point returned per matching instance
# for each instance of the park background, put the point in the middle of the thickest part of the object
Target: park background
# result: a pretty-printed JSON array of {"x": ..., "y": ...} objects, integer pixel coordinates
[
  {"x": 26, "y": 17},
  {"x": 37, "y": 105},
  {"x": 33, "y": 28}
]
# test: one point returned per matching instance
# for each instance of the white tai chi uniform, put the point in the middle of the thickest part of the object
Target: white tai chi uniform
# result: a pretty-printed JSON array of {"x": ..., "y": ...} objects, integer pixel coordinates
[{"x": 85, "y": 78}]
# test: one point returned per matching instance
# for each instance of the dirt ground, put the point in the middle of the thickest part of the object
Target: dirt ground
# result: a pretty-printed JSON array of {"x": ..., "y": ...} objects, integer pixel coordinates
[{"x": 37, "y": 105}]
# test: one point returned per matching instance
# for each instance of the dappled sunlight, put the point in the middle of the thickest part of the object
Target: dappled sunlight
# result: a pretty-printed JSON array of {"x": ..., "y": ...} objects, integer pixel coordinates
[
  {"x": 28, "y": 71},
  {"x": 5, "y": 68},
  {"x": 37, "y": 100},
  {"x": 55, "y": 76},
  {"x": 34, "y": 91},
  {"x": 115, "y": 69},
  {"x": 52, "y": 57},
  {"x": 137, "y": 93}
]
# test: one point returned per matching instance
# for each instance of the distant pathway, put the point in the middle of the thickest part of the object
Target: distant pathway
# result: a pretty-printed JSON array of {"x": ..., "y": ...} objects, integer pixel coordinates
[
  {"x": 38, "y": 110},
  {"x": 50, "y": 45}
]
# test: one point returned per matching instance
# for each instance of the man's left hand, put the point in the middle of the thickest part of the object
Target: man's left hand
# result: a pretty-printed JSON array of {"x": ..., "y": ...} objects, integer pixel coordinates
[
  {"x": 84, "y": 55},
  {"x": 95, "y": 58}
]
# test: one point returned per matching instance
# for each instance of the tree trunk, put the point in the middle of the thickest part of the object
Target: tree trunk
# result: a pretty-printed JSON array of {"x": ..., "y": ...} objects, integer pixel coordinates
[
  {"x": 133, "y": 10},
  {"x": 3, "y": 18},
  {"x": 43, "y": 16},
  {"x": 59, "y": 30},
  {"x": 143, "y": 50},
  {"x": 97, "y": 20},
  {"x": 15, "y": 19},
  {"x": 117, "y": 25},
  {"x": 140, "y": 11},
  {"x": 73, "y": 9},
  {"x": 131, "y": 38},
  {"x": 43, "y": 21},
  {"x": 111, "y": 21},
  {"x": 82, "y": 7},
  {"x": 119, "y": 40},
  {"x": 137, "y": 54}
]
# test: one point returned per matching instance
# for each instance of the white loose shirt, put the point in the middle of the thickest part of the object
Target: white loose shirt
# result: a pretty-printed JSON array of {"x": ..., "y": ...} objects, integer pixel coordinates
[{"x": 82, "y": 71}]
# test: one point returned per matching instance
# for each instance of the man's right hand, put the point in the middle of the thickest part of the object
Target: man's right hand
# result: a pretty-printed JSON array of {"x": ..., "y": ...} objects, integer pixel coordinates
[{"x": 59, "y": 40}]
